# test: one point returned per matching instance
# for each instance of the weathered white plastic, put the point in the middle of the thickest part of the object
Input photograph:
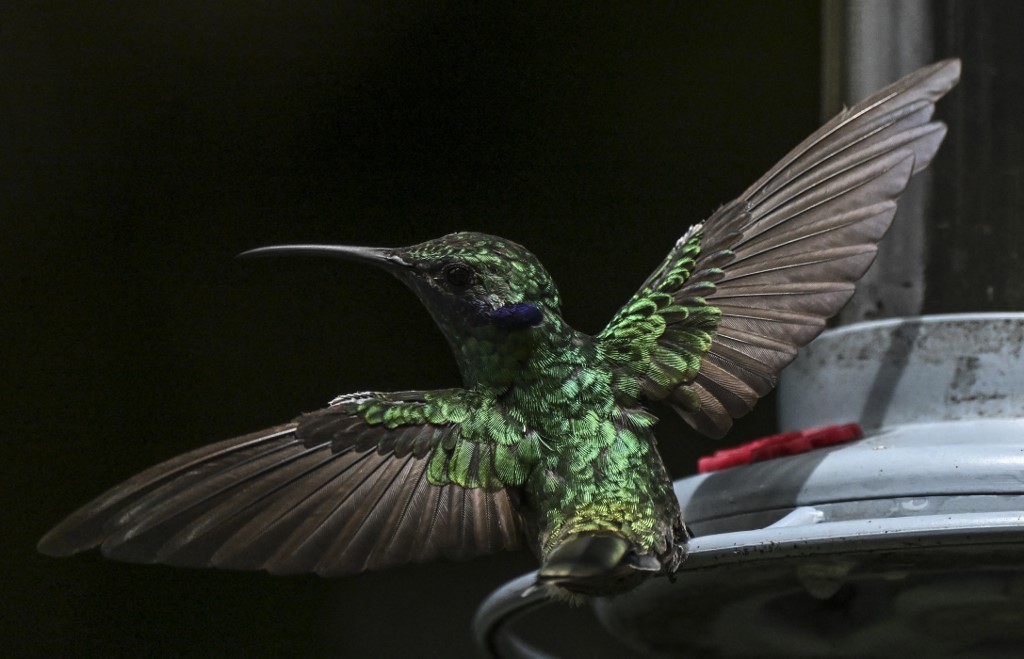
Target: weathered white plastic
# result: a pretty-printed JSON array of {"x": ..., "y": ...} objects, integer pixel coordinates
[{"x": 908, "y": 370}]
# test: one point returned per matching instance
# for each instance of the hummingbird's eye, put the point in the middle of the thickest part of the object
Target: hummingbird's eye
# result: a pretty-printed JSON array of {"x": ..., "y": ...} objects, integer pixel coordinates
[{"x": 458, "y": 275}]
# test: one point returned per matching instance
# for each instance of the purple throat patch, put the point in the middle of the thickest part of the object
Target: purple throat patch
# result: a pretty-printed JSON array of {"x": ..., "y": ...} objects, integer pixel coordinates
[{"x": 517, "y": 316}]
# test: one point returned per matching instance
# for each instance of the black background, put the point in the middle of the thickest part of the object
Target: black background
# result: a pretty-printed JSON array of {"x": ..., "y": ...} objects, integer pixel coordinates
[{"x": 144, "y": 145}]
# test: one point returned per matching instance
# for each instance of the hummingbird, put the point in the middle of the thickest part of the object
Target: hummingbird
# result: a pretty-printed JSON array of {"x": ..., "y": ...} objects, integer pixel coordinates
[{"x": 548, "y": 443}]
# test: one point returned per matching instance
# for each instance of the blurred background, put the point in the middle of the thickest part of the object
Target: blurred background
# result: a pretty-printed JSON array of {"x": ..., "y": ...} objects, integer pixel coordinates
[{"x": 142, "y": 146}]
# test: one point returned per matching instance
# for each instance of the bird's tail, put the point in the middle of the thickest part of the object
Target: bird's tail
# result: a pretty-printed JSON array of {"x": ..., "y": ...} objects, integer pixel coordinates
[{"x": 603, "y": 563}]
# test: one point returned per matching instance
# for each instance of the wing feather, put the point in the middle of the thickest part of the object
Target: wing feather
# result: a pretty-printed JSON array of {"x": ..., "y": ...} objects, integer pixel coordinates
[
  {"x": 338, "y": 491},
  {"x": 770, "y": 268}
]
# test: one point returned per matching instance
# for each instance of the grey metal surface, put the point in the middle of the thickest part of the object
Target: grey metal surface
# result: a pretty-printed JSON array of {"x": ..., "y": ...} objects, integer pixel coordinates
[
  {"x": 867, "y": 45},
  {"x": 958, "y": 240},
  {"x": 975, "y": 228}
]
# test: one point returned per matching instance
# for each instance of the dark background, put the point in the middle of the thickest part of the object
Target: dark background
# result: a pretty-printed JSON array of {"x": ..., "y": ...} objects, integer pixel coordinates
[{"x": 144, "y": 146}]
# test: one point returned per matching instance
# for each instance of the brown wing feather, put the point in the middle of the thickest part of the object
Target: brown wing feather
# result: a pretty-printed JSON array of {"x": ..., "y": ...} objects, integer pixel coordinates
[
  {"x": 346, "y": 497},
  {"x": 801, "y": 236}
]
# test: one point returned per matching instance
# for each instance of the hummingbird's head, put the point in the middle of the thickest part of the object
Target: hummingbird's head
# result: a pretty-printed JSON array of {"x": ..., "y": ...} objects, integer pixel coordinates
[
  {"x": 474, "y": 280},
  {"x": 474, "y": 285}
]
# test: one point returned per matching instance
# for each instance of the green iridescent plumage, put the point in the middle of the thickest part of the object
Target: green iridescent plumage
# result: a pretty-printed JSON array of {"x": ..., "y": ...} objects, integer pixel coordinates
[{"x": 547, "y": 443}]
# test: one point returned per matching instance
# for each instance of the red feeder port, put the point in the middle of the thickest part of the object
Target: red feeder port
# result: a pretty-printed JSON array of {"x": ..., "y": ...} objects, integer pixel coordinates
[{"x": 777, "y": 446}]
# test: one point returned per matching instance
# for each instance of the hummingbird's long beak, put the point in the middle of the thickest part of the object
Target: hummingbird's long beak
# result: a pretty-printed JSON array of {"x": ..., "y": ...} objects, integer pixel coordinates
[{"x": 380, "y": 256}]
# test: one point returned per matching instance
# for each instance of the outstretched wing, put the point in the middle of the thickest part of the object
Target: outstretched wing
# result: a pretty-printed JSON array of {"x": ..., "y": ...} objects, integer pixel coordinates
[
  {"x": 737, "y": 296},
  {"x": 373, "y": 480}
]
